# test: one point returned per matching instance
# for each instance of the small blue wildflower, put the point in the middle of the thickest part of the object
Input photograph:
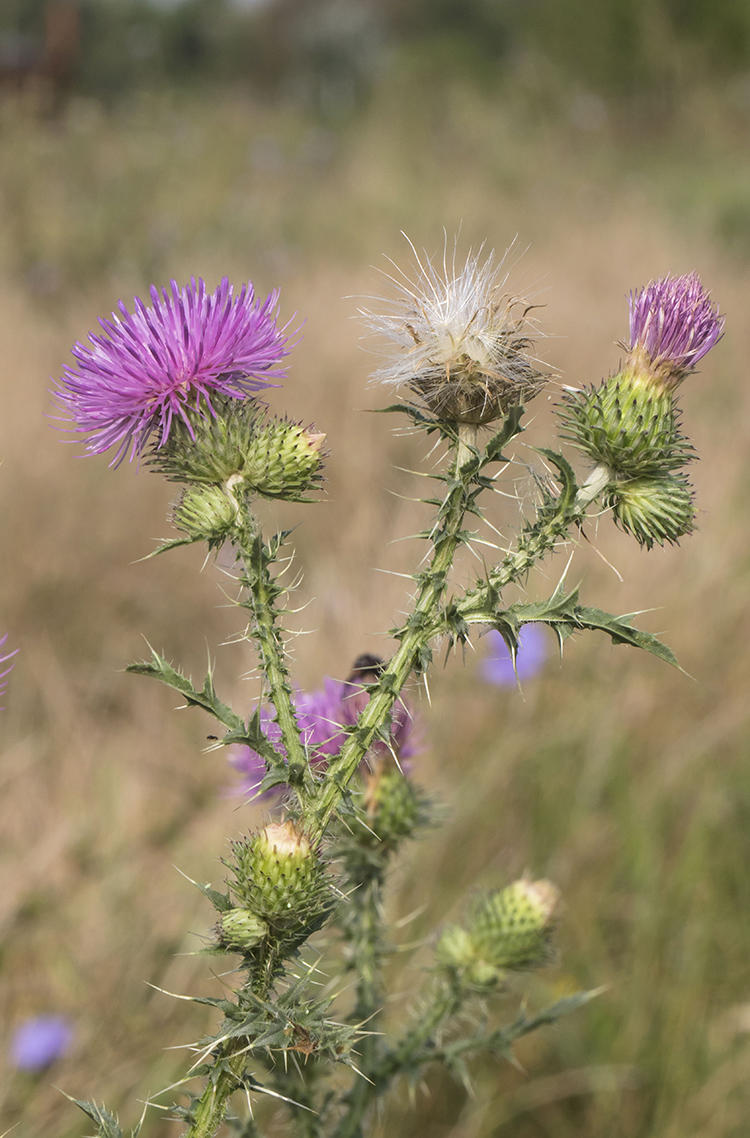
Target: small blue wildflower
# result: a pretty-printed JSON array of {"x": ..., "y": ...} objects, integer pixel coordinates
[
  {"x": 497, "y": 667},
  {"x": 39, "y": 1041}
]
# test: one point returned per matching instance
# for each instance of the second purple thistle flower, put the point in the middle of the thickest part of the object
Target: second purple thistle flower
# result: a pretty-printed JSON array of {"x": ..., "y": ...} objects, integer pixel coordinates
[{"x": 167, "y": 359}]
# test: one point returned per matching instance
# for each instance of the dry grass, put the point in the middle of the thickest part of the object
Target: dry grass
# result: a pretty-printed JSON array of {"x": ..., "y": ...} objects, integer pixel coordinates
[{"x": 624, "y": 781}]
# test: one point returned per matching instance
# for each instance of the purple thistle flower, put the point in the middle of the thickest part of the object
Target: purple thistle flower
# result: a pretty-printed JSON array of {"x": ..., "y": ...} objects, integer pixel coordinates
[
  {"x": 497, "y": 667},
  {"x": 167, "y": 359},
  {"x": 319, "y": 715},
  {"x": 3, "y": 660},
  {"x": 673, "y": 324},
  {"x": 323, "y": 717},
  {"x": 39, "y": 1041}
]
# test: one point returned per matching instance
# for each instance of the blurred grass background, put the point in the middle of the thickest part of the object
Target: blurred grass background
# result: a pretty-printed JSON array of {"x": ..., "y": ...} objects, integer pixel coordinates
[{"x": 291, "y": 143}]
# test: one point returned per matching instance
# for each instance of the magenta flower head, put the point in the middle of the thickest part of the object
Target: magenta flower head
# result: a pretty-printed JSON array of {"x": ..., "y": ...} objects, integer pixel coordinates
[
  {"x": 497, "y": 666},
  {"x": 319, "y": 716},
  {"x": 672, "y": 326},
  {"x": 324, "y": 716},
  {"x": 4, "y": 660},
  {"x": 168, "y": 359},
  {"x": 40, "y": 1041}
]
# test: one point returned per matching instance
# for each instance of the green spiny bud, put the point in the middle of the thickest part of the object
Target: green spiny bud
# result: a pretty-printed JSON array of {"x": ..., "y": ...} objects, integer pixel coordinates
[
  {"x": 628, "y": 426},
  {"x": 653, "y": 509},
  {"x": 394, "y": 806},
  {"x": 284, "y": 461},
  {"x": 206, "y": 513},
  {"x": 234, "y": 443},
  {"x": 241, "y": 929},
  {"x": 280, "y": 878},
  {"x": 509, "y": 932},
  {"x": 514, "y": 924}
]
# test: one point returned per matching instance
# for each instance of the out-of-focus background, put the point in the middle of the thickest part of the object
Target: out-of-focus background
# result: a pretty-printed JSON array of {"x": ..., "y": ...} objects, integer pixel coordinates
[{"x": 291, "y": 142}]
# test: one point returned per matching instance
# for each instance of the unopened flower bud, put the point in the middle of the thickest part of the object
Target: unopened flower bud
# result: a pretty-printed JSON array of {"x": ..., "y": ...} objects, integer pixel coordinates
[
  {"x": 514, "y": 924},
  {"x": 653, "y": 510},
  {"x": 285, "y": 460},
  {"x": 206, "y": 513},
  {"x": 394, "y": 806},
  {"x": 241, "y": 929},
  {"x": 234, "y": 443},
  {"x": 280, "y": 878},
  {"x": 630, "y": 428},
  {"x": 510, "y": 931}
]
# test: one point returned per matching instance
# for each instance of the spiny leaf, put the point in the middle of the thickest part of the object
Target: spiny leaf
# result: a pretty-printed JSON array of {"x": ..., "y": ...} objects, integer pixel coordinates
[
  {"x": 220, "y": 901},
  {"x": 251, "y": 735},
  {"x": 161, "y": 669},
  {"x": 510, "y": 428},
  {"x": 107, "y": 1124},
  {"x": 566, "y": 617},
  {"x": 567, "y": 477}
]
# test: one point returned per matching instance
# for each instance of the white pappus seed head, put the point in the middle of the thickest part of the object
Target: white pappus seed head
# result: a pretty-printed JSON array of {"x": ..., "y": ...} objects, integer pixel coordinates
[{"x": 463, "y": 343}]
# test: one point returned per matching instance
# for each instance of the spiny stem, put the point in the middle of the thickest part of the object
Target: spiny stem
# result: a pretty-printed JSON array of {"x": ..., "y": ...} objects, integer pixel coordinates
[
  {"x": 262, "y": 592},
  {"x": 414, "y": 638},
  {"x": 363, "y": 931},
  {"x": 467, "y": 443},
  {"x": 445, "y": 1004},
  {"x": 212, "y": 1105}
]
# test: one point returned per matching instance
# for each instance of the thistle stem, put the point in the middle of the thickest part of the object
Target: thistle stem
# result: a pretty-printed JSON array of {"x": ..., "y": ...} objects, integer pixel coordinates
[
  {"x": 593, "y": 486},
  {"x": 363, "y": 932},
  {"x": 212, "y": 1105},
  {"x": 414, "y": 636},
  {"x": 467, "y": 443},
  {"x": 262, "y": 593},
  {"x": 414, "y": 1044}
]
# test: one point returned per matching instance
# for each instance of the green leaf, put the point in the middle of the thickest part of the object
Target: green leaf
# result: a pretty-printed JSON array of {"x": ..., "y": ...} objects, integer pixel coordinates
[
  {"x": 251, "y": 735},
  {"x": 510, "y": 428},
  {"x": 162, "y": 670},
  {"x": 523, "y": 1024},
  {"x": 567, "y": 478},
  {"x": 175, "y": 543},
  {"x": 563, "y": 614},
  {"x": 220, "y": 901},
  {"x": 107, "y": 1124}
]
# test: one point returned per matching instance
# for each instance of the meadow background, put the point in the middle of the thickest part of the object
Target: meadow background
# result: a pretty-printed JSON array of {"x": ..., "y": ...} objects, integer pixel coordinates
[{"x": 291, "y": 144}]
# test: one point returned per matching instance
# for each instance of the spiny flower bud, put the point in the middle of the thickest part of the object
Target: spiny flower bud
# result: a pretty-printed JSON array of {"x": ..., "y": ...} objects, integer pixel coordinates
[
  {"x": 463, "y": 345},
  {"x": 284, "y": 461},
  {"x": 233, "y": 442},
  {"x": 653, "y": 509},
  {"x": 510, "y": 931},
  {"x": 206, "y": 513},
  {"x": 394, "y": 807},
  {"x": 515, "y": 923},
  {"x": 241, "y": 929},
  {"x": 280, "y": 878},
  {"x": 630, "y": 428}
]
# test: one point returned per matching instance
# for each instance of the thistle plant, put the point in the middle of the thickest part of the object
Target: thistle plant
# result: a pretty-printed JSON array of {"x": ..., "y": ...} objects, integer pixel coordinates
[{"x": 175, "y": 386}]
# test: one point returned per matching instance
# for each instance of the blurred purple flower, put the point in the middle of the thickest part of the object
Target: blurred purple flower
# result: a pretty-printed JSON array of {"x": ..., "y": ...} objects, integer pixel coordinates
[
  {"x": 319, "y": 717},
  {"x": 169, "y": 358},
  {"x": 674, "y": 323},
  {"x": 323, "y": 717},
  {"x": 39, "y": 1041},
  {"x": 497, "y": 667},
  {"x": 3, "y": 660}
]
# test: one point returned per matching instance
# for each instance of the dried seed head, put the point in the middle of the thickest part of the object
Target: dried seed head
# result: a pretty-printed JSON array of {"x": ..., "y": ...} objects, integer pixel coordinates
[{"x": 463, "y": 344}]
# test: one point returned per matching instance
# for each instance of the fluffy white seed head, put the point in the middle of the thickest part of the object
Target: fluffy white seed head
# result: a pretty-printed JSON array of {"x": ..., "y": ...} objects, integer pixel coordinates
[{"x": 463, "y": 342}]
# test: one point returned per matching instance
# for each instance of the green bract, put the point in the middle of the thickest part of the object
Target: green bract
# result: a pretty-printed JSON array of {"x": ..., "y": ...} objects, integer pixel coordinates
[{"x": 628, "y": 426}]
